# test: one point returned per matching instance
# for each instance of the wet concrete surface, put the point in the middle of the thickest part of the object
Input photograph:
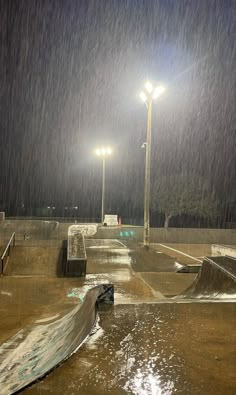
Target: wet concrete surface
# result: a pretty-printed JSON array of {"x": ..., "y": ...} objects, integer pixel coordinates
[
  {"x": 25, "y": 299},
  {"x": 103, "y": 243},
  {"x": 38, "y": 348},
  {"x": 152, "y": 349},
  {"x": 169, "y": 284},
  {"x": 194, "y": 250},
  {"x": 143, "y": 348},
  {"x": 189, "y": 254},
  {"x": 115, "y": 265},
  {"x": 29, "y": 293},
  {"x": 227, "y": 264},
  {"x": 36, "y": 258},
  {"x": 215, "y": 280},
  {"x": 151, "y": 261}
]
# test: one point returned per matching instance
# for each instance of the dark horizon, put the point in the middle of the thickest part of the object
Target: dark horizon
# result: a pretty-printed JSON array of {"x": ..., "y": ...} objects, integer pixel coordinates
[{"x": 70, "y": 75}]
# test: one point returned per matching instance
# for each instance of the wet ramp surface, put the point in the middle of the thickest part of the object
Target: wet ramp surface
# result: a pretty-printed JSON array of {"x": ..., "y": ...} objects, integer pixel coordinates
[
  {"x": 216, "y": 279},
  {"x": 153, "y": 349},
  {"x": 103, "y": 243},
  {"x": 151, "y": 261},
  {"x": 38, "y": 348}
]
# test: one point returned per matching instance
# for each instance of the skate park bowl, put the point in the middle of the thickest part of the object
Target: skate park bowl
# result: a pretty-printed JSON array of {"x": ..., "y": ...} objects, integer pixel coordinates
[
  {"x": 37, "y": 349},
  {"x": 142, "y": 330}
]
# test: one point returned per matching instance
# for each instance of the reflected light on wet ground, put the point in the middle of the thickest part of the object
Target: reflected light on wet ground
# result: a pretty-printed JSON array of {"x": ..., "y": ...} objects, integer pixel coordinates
[{"x": 152, "y": 349}]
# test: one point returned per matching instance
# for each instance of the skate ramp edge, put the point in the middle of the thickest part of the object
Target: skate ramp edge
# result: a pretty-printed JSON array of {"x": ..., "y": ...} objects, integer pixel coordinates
[
  {"x": 215, "y": 280},
  {"x": 36, "y": 350}
]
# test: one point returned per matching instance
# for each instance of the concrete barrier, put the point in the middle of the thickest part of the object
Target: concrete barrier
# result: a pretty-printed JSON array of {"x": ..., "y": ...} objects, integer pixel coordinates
[{"x": 217, "y": 249}]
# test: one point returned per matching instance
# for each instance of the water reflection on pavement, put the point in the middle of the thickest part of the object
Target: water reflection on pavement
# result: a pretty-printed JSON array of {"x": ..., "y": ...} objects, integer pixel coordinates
[{"x": 149, "y": 349}]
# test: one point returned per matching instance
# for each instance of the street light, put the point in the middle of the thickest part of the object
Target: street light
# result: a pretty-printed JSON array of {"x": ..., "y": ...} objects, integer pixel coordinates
[
  {"x": 149, "y": 94},
  {"x": 103, "y": 152}
]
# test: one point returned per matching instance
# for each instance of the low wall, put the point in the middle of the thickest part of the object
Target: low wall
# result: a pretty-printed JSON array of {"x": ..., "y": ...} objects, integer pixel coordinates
[
  {"x": 42, "y": 230},
  {"x": 28, "y": 228},
  {"x": 194, "y": 236},
  {"x": 46, "y": 229},
  {"x": 171, "y": 235},
  {"x": 217, "y": 249}
]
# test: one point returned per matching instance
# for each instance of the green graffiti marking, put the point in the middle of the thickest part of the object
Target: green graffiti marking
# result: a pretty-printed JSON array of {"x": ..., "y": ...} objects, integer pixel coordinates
[{"x": 127, "y": 233}]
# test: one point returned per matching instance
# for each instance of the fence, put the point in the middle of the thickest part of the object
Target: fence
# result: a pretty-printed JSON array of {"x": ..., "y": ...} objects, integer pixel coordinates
[{"x": 7, "y": 253}]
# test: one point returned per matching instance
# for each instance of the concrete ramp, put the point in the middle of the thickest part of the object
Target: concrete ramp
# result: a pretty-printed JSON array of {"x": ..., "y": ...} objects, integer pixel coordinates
[
  {"x": 37, "y": 349},
  {"x": 215, "y": 280},
  {"x": 37, "y": 258}
]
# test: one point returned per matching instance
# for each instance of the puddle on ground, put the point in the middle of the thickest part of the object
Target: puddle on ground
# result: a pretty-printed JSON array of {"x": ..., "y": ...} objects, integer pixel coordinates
[{"x": 152, "y": 349}]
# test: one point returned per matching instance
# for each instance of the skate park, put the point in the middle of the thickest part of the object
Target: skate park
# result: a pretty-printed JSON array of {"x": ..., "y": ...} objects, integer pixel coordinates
[{"x": 130, "y": 321}]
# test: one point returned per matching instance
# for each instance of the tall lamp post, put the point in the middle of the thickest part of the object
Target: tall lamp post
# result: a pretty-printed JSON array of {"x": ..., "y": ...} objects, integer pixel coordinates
[
  {"x": 149, "y": 94},
  {"x": 103, "y": 152}
]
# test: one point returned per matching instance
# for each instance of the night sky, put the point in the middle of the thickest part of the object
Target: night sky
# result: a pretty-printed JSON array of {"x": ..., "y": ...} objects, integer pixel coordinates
[{"x": 71, "y": 72}]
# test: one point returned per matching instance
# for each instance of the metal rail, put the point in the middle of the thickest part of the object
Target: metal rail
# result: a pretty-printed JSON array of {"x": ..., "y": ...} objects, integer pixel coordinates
[{"x": 7, "y": 253}]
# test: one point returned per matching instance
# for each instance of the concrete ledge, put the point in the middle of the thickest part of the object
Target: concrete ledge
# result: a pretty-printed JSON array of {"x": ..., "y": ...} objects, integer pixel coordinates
[
  {"x": 76, "y": 253},
  {"x": 217, "y": 249},
  {"x": 37, "y": 349}
]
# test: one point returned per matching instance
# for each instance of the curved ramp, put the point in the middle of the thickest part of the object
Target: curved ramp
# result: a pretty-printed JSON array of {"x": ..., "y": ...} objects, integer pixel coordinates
[
  {"x": 215, "y": 280},
  {"x": 36, "y": 350}
]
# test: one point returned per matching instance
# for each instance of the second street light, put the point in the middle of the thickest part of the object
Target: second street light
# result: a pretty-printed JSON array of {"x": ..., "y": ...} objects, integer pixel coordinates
[
  {"x": 149, "y": 94},
  {"x": 103, "y": 152}
]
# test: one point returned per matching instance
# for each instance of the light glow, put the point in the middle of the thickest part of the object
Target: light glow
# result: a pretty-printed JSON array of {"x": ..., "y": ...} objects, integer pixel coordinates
[
  {"x": 143, "y": 96},
  {"x": 158, "y": 91},
  {"x": 149, "y": 87},
  {"x": 103, "y": 151}
]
